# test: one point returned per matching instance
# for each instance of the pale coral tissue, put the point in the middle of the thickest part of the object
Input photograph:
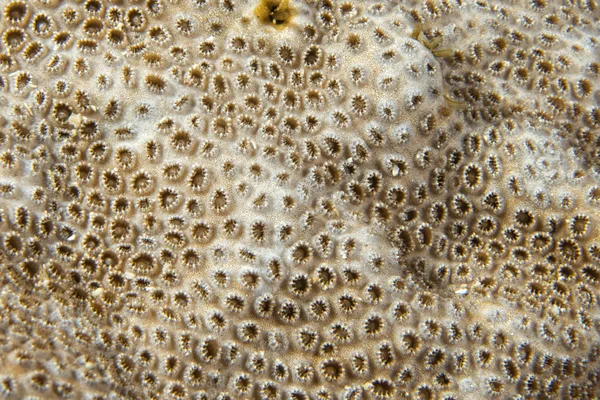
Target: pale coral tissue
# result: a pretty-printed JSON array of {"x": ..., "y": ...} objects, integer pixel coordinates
[{"x": 318, "y": 199}]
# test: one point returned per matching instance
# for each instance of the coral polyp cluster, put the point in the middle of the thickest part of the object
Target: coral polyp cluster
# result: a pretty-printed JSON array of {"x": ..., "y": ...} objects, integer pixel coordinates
[{"x": 235, "y": 199}]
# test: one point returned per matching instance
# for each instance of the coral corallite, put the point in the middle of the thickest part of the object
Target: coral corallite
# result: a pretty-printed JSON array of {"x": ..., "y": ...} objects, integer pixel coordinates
[{"x": 303, "y": 199}]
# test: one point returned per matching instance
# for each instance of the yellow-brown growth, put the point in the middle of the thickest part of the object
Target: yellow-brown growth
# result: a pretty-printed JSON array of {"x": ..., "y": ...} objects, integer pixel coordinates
[{"x": 277, "y": 13}]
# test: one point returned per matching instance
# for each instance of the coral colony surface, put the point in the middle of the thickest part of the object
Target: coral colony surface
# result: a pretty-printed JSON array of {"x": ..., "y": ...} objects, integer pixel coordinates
[{"x": 293, "y": 200}]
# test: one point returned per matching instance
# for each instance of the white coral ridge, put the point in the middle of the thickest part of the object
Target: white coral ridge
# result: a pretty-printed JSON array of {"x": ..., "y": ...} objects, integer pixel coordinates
[{"x": 319, "y": 199}]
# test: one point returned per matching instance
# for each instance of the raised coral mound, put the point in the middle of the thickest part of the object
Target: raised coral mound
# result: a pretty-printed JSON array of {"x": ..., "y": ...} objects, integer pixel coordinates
[{"x": 219, "y": 199}]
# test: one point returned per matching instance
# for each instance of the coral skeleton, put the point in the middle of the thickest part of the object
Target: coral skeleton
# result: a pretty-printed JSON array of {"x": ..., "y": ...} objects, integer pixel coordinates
[{"x": 299, "y": 199}]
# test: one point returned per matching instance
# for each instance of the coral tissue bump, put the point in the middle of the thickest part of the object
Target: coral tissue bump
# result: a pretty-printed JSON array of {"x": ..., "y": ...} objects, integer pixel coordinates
[{"x": 299, "y": 200}]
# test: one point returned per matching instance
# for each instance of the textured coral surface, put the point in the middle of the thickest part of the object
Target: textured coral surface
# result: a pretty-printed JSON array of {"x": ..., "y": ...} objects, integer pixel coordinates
[{"x": 229, "y": 199}]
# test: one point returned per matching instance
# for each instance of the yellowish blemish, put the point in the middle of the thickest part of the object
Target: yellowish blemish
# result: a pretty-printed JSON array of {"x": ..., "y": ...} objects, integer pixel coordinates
[
  {"x": 454, "y": 103},
  {"x": 277, "y": 13},
  {"x": 432, "y": 45}
]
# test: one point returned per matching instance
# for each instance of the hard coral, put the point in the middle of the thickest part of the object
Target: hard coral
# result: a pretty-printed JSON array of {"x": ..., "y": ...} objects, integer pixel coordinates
[{"x": 219, "y": 199}]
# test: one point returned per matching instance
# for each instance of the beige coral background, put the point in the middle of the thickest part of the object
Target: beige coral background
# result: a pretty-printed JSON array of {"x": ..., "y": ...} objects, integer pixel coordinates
[{"x": 235, "y": 199}]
